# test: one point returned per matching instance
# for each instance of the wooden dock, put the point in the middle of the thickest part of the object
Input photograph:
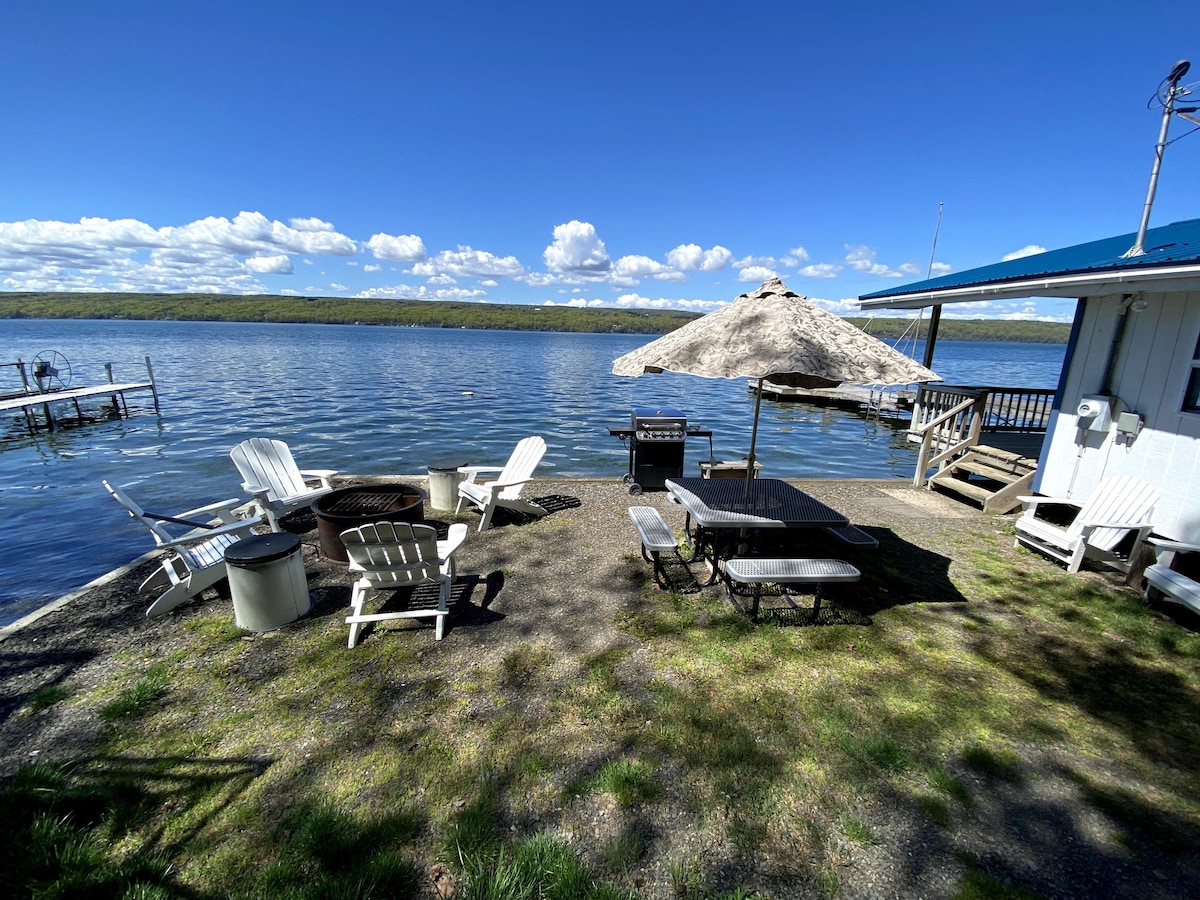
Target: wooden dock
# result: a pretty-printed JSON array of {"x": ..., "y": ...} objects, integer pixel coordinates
[
  {"x": 43, "y": 409},
  {"x": 888, "y": 402}
]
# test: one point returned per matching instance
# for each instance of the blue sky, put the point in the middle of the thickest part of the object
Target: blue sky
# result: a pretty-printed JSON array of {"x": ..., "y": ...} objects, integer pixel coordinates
[{"x": 652, "y": 154}]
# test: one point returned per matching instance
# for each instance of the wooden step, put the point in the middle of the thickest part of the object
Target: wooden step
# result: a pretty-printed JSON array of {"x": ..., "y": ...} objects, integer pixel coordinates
[
  {"x": 988, "y": 476},
  {"x": 967, "y": 489},
  {"x": 982, "y": 469}
]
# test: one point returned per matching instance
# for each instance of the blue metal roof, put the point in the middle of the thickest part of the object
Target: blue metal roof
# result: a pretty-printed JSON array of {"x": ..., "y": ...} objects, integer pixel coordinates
[{"x": 1168, "y": 245}]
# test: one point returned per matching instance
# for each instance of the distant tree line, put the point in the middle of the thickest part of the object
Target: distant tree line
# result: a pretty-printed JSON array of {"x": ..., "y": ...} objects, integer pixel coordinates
[{"x": 448, "y": 314}]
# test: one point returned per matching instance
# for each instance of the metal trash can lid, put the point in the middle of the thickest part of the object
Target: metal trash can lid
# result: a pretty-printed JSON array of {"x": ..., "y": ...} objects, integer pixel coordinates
[
  {"x": 261, "y": 548},
  {"x": 447, "y": 464}
]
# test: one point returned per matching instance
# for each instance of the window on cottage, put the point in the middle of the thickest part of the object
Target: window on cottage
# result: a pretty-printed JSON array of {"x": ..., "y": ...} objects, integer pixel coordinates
[{"x": 1191, "y": 400}]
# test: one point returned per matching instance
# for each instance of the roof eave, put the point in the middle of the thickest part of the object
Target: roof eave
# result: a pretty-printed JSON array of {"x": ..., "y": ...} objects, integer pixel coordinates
[{"x": 1164, "y": 278}]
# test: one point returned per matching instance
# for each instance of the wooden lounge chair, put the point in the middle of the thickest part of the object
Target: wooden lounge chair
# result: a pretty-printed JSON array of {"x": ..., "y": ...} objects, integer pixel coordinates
[
  {"x": 271, "y": 475},
  {"x": 1108, "y": 527},
  {"x": 197, "y": 557},
  {"x": 505, "y": 490},
  {"x": 394, "y": 555}
]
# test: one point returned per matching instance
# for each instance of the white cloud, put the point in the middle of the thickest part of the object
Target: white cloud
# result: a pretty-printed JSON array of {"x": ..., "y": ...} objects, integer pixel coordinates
[
  {"x": 421, "y": 292},
  {"x": 128, "y": 255},
  {"x": 270, "y": 265},
  {"x": 465, "y": 262},
  {"x": 251, "y": 232},
  {"x": 311, "y": 224},
  {"x": 577, "y": 250},
  {"x": 848, "y": 306},
  {"x": 577, "y": 303},
  {"x": 938, "y": 269},
  {"x": 795, "y": 256},
  {"x": 1020, "y": 310},
  {"x": 637, "y": 301},
  {"x": 693, "y": 258},
  {"x": 371, "y": 267},
  {"x": 861, "y": 258},
  {"x": 820, "y": 270},
  {"x": 338, "y": 287},
  {"x": 634, "y": 266},
  {"x": 1027, "y": 250},
  {"x": 402, "y": 248},
  {"x": 756, "y": 274}
]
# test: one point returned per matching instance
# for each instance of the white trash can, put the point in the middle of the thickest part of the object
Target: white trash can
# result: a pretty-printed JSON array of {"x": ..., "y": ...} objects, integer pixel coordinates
[
  {"x": 444, "y": 479},
  {"x": 267, "y": 581}
]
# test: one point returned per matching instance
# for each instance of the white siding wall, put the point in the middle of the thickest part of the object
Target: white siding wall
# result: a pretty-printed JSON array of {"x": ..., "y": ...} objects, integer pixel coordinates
[{"x": 1150, "y": 376}]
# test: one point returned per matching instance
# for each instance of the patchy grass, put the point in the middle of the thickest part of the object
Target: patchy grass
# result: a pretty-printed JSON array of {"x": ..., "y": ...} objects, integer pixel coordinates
[{"x": 287, "y": 766}]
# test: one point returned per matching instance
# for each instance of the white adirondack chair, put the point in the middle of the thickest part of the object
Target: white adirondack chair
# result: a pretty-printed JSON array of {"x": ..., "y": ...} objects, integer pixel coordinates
[
  {"x": 197, "y": 558},
  {"x": 505, "y": 490},
  {"x": 393, "y": 555},
  {"x": 1108, "y": 527},
  {"x": 1175, "y": 575},
  {"x": 271, "y": 475}
]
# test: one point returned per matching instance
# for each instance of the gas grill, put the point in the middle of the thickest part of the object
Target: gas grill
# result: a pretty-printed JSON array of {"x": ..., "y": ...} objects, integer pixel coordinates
[
  {"x": 652, "y": 425},
  {"x": 656, "y": 436}
]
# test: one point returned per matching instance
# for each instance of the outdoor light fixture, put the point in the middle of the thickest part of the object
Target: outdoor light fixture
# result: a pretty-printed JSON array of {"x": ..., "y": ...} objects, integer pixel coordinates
[{"x": 1168, "y": 90}]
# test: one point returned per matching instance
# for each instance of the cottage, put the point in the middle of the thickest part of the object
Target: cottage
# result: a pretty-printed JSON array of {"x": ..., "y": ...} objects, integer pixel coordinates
[{"x": 1128, "y": 400}]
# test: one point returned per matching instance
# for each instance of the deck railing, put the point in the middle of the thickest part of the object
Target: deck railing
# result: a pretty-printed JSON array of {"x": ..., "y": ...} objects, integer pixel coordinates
[{"x": 950, "y": 419}]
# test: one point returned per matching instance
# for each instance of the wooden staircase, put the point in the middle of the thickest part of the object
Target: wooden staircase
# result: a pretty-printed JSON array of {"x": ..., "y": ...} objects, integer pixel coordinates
[{"x": 989, "y": 476}]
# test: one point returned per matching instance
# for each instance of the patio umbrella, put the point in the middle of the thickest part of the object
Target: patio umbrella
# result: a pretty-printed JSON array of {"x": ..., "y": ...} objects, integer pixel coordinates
[{"x": 777, "y": 335}]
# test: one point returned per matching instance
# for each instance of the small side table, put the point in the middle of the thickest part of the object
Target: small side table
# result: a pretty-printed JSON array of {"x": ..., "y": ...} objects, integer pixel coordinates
[
  {"x": 267, "y": 581},
  {"x": 444, "y": 479}
]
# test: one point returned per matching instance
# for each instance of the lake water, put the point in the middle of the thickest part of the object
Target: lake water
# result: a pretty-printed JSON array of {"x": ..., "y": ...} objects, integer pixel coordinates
[{"x": 380, "y": 400}]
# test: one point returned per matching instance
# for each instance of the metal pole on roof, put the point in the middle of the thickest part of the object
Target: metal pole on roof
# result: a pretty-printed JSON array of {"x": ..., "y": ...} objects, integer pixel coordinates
[{"x": 1168, "y": 102}]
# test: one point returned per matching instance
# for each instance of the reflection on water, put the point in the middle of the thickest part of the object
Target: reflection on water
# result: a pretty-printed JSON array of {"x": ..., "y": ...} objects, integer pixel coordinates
[{"x": 364, "y": 399}]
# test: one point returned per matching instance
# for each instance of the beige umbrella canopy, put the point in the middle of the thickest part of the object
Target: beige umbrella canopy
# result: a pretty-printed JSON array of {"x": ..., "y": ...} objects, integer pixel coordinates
[{"x": 774, "y": 334}]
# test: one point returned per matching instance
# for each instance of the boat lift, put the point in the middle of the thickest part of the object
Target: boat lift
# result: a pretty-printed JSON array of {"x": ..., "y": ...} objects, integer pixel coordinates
[{"x": 46, "y": 382}]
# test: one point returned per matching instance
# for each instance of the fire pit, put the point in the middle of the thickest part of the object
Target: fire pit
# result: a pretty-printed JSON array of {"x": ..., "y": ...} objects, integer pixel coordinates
[{"x": 361, "y": 505}]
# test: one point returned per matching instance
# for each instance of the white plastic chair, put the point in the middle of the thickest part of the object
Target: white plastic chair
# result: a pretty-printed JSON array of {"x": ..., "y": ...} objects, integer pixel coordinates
[
  {"x": 393, "y": 555},
  {"x": 197, "y": 558},
  {"x": 271, "y": 475},
  {"x": 1098, "y": 529},
  {"x": 1175, "y": 574},
  {"x": 505, "y": 490}
]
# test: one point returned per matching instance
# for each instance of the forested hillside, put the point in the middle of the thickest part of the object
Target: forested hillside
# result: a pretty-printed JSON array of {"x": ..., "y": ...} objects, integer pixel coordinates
[{"x": 446, "y": 314}]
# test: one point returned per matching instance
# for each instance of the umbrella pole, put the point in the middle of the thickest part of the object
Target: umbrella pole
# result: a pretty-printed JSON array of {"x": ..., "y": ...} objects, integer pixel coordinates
[{"x": 753, "y": 438}]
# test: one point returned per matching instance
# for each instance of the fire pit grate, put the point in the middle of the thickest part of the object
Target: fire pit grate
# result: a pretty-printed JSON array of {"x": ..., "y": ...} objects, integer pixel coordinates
[
  {"x": 365, "y": 502},
  {"x": 362, "y": 504}
]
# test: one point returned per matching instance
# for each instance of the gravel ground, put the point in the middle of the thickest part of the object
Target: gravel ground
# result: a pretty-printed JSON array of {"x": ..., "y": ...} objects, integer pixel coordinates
[{"x": 563, "y": 591}]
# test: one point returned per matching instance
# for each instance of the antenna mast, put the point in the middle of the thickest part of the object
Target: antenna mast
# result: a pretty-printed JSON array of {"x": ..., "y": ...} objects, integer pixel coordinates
[{"x": 1173, "y": 90}]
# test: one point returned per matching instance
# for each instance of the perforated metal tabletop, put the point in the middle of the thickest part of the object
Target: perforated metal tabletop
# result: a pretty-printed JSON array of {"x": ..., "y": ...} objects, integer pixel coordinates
[{"x": 770, "y": 503}]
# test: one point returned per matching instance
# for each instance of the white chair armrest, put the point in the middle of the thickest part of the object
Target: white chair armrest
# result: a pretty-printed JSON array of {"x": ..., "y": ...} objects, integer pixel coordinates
[
  {"x": 207, "y": 534},
  {"x": 505, "y": 484},
  {"x": 1089, "y": 527},
  {"x": 223, "y": 506},
  {"x": 472, "y": 471},
  {"x": 1031, "y": 502},
  {"x": 454, "y": 539},
  {"x": 321, "y": 475},
  {"x": 1174, "y": 546}
]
